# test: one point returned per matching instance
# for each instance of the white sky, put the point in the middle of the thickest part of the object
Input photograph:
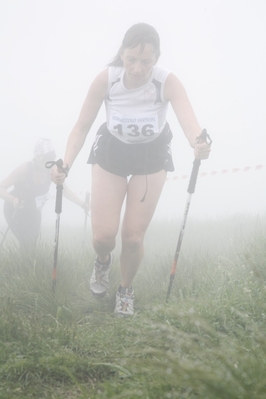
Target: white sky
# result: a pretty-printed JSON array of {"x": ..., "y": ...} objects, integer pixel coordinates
[{"x": 52, "y": 49}]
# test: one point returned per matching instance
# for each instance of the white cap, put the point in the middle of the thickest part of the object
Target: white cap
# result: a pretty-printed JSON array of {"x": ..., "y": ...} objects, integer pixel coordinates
[{"x": 43, "y": 147}]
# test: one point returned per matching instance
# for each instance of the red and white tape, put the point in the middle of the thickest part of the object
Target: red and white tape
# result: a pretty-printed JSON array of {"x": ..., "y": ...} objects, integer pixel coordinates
[{"x": 220, "y": 172}]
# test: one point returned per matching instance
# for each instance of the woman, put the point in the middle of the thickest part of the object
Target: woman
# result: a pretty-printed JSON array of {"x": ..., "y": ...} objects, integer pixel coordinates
[
  {"x": 131, "y": 153},
  {"x": 23, "y": 204}
]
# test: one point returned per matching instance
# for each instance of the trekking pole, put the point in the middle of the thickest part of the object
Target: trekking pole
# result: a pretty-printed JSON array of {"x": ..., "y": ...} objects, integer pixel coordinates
[
  {"x": 8, "y": 228},
  {"x": 4, "y": 236},
  {"x": 58, "y": 210},
  {"x": 87, "y": 201},
  {"x": 191, "y": 189}
]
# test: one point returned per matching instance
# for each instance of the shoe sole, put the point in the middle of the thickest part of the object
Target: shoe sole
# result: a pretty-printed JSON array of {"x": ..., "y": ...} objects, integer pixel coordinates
[
  {"x": 123, "y": 316},
  {"x": 98, "y": 295}
]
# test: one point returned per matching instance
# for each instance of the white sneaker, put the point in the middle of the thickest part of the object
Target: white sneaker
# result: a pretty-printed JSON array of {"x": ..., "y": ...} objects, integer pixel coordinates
[
  {"x": 99, "y": 281},
  {"x": 124, "y": 302}
]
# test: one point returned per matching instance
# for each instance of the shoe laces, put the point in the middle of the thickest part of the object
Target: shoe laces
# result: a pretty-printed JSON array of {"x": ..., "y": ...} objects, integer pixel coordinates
[
  {"x": 99, "y": 272},
  {"x": 124, "y": 303},
  {"x": 100, "y": 269},
  {"x": 125, "y": 299}
]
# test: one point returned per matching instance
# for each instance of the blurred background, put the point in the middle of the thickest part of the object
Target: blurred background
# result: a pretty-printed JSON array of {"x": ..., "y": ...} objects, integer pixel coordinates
[{"x": 52, "y": 50}]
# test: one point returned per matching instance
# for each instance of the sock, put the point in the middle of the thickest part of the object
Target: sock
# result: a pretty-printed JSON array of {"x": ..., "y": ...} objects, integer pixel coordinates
[
  {"x": 105, "y": 263},
  {"x": 125, "y": 291}
]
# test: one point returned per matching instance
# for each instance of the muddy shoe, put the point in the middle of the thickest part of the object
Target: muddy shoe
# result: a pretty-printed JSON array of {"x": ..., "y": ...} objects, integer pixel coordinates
[
  {"x": 124, "y": 302},
  {"x": 99, "y": 281}
]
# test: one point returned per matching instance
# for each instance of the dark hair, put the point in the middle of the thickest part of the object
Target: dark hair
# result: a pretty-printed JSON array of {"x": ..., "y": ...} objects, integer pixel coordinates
[{"x": 140, "y": 33}]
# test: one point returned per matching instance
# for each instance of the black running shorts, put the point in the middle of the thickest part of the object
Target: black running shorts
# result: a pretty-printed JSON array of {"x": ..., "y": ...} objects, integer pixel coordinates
[{"x": 132, "y": 159}]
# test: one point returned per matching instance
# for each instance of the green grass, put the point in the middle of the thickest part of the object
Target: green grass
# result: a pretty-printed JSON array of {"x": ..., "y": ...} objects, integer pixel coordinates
[{"x": 207, "y": 342}]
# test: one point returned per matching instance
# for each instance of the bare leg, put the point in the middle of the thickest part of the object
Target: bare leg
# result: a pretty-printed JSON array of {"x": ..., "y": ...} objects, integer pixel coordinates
[
  {"x": 107, "y": 196},
  {"x": 136, "y": 221}
]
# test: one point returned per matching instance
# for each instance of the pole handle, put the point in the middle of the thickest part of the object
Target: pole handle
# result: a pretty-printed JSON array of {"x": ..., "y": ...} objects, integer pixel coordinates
[
  {"x": 59, "y": 164},
  {"x": 196, "y": 164},
  {"x": 59, "y": 187},
  {"x": 193, "y": 176},
  {"x": 58, "y": 199},
  {"x": 59, "y": 190}
]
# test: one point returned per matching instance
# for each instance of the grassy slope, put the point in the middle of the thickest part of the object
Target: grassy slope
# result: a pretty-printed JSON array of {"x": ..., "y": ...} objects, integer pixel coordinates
[{"x": 208, "y": 342}]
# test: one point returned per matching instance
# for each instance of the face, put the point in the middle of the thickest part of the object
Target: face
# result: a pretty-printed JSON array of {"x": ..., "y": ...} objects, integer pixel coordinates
[{"x": 138, "y": 64}]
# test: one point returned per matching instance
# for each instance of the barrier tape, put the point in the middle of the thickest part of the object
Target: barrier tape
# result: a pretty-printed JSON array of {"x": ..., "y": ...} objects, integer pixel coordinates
[{"x": 221, "y": 172}]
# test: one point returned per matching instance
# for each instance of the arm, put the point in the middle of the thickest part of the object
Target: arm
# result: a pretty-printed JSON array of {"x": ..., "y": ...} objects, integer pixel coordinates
[
  {"x": 88, "y": 113},
  {"x": 17, "y": 175},
  {"x": 176, "y": 94},
  {"x": 71, "y": 196}
]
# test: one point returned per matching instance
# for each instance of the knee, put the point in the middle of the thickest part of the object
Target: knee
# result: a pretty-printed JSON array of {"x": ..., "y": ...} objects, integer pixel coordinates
[
  {"x": 132, "y": 241},
  {"x": 103, "y": 239}
]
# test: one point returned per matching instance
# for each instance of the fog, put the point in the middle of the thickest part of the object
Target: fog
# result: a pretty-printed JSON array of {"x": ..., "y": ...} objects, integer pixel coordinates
[{"x": 51, "y": 51}]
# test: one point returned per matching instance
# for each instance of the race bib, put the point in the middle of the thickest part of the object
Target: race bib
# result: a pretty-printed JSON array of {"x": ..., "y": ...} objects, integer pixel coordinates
[
  {"x": 41, "y": 200},
  {"x": 134, "y": 129}
]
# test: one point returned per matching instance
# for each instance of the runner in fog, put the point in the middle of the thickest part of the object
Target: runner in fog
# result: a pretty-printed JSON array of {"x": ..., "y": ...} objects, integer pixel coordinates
[
  {"x": 131, "y": 154},
  {"x": 30, "y": 184}
]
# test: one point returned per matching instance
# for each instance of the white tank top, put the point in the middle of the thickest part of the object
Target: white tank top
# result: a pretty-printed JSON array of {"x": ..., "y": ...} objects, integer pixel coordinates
[{"x": 136, "y": 115}]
